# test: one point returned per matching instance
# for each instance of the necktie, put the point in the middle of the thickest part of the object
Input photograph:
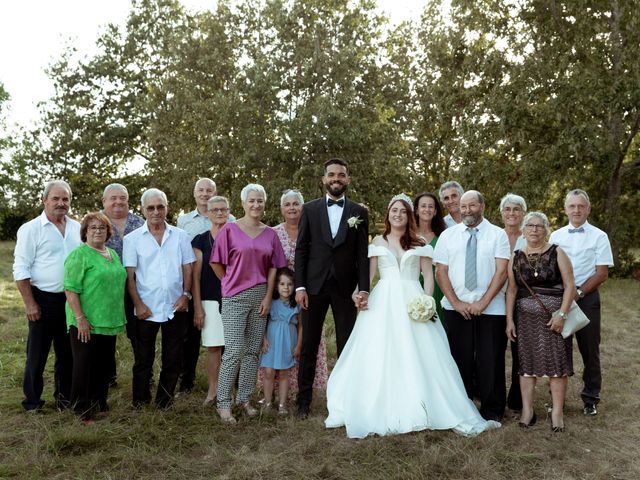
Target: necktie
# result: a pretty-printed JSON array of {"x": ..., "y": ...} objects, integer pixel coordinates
[
  {"x": 576, "y": 230},
  {"x": 331, "y": 202},
  {"x": 470, "y": 279}
]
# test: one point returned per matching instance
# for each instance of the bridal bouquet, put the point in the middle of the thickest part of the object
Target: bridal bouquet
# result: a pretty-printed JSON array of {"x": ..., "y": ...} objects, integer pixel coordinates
[{"x": 422, "y": 308}]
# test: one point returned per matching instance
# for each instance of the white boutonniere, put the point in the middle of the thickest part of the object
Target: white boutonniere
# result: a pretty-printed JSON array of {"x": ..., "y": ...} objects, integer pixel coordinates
[{"x": 353, "y": 222}]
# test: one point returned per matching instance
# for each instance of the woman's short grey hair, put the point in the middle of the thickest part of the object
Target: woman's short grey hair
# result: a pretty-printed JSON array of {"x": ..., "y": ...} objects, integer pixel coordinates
[
  {"x": 513, "y": 199},
  {"x": 152, "y": 193},
  {"x": 291, "y": 193},
  {"x": 450, "y": 184},
  {"x": 252, "y": 187},
  {"x": 216, "y": 199},
  {"x": 115, "y": 186},
  {"x": 541, "y": 216},
  {"x": 55, "y": 183}
]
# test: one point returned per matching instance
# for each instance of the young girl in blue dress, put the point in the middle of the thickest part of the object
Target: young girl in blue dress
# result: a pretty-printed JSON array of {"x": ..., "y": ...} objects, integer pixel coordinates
[{"x": 282, "y": 343}]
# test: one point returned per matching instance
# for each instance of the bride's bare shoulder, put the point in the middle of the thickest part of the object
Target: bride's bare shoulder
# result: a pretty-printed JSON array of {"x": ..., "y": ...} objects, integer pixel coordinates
[{"x": 378, "y": 241}]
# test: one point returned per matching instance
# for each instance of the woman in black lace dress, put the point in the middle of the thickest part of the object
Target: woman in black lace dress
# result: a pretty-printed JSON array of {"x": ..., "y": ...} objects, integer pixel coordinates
[{"x": 542, "y": 352}]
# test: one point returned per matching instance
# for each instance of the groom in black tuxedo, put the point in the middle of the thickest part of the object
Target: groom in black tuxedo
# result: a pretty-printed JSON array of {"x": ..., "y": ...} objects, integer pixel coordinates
[{"x": 331, "y": 260}]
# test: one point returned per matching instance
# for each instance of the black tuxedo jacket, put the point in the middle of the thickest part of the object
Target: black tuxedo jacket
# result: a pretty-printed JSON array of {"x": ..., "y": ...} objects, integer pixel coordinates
[{"x": 318, "y": 255}]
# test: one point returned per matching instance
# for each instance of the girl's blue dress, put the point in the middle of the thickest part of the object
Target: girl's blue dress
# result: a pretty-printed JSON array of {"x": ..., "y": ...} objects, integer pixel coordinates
[{"x": 282, "y": 335}]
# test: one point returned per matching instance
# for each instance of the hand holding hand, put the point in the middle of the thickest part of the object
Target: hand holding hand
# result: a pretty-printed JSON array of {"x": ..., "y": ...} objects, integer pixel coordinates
[
  {"x": 464, "y": 309},
  {"x": 556, "y": 323}
]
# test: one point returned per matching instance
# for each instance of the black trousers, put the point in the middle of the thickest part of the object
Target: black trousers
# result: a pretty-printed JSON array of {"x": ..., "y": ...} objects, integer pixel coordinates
[
  {"x": 191, "y": 352},
  {"x": 173, "y": 332},
  {"x": 478, "y": 346},
  {"x": 91, "y": 372},
  {"x": 588, "y": 340},
  {"x": 514, "y": 397},
  {"x": 344, "y": 314},
  {"x": 131, "y": 334},
  {"x": 51, "y": 328}
]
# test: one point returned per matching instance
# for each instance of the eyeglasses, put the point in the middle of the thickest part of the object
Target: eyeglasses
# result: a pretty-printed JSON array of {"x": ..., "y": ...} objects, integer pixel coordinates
[
  {"x": 97, "y": 228},
  {"x": 153, "y": 208},
  {"x": 531, "y": 226},
  {"x": 219, "y": 210}
]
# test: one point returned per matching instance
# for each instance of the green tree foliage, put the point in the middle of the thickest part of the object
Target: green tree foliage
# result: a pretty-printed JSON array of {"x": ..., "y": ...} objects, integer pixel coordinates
[{"x": 534, "y": 97}]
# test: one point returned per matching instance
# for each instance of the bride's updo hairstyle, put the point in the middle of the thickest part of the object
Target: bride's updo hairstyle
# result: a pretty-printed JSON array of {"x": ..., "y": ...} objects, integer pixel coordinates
[{"x": 410, "y": 238}]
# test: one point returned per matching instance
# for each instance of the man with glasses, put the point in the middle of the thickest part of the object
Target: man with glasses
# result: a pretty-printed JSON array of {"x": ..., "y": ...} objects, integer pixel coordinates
[
  {"x": 38, "y": 269},
  {"x": 195, "y": 223},
  {"x": 471, "y": 267},
  {"x": 589, "y": 250},
  {"x": 158, "y": 258}
]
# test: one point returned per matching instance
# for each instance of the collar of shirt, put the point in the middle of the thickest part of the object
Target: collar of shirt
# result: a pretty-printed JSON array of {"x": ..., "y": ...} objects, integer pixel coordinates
[
  {"x": 327, "y": 197},
  {"x": 44, "y": 219},
  {"x": 585, "y": 225}
]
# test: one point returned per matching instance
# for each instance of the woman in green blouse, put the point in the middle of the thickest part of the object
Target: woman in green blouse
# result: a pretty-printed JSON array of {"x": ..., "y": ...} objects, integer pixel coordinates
[{"x": 94, "y": 281}]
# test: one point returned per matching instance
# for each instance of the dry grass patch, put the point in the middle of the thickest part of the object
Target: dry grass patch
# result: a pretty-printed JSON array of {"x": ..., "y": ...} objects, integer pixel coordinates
[{"x": 189, "y": 442}]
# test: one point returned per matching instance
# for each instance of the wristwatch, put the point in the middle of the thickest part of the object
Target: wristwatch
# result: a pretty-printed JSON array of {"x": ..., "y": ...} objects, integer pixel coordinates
[
  {"x": 580, "y": 292},
  {"x": 562, "y": 315},
  {"x": 187, "y": 294}
]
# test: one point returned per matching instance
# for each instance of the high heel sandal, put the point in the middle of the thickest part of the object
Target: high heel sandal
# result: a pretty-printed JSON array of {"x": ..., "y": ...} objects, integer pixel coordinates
[
  {"x": 249, "y": 410},
  {"x": 531, "y": 423},
  {"x": 557, "y": 429},
  {"x": 282, "y": 410},
  {"x": 226, "y": 417}
]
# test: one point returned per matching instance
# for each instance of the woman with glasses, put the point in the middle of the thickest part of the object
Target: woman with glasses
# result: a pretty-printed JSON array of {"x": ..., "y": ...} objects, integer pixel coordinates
[
  {"x": 207, "y": 294},
  {"x": 539, "y": 296},
  {"x": 291, "y": 203},
  {"x": 245, "y": 258},
  {"x": 94, "y": 281},
  {"x": 513, "y": 208}
]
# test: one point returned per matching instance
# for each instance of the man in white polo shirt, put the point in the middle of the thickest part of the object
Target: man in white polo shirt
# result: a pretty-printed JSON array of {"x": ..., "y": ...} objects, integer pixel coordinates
[
  {"x": 38, "y": 269},
  {"x": 589, "y": 250},
  {"x": 158, "y": 258},
  {"x": 471, "y": 268}
]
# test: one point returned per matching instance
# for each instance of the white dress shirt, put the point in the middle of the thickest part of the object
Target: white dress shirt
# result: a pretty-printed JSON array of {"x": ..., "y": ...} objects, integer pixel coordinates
[
  {"x": 41, "y": 251},
  {"x": 450, "y": 250},
  {"x": 449, "y": 221},
  {"x": 194, "y": 224},
  {"x": 158, "y": 267},
  {"x": 335, "y": 215},
  {"x": 586, "y": 250}
]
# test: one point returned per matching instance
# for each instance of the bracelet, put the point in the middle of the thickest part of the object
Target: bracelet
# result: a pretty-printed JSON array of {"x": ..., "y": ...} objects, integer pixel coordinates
[{"x": 80, "y": 317}]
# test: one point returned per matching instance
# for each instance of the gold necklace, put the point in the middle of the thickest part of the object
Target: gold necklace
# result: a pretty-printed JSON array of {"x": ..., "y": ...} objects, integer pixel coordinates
[{"x": 536, "y": 257}]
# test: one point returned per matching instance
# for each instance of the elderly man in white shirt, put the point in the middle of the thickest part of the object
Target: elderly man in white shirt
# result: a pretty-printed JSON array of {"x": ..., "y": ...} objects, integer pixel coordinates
[
  {"x": 589, "y": 250},
  {"x": 471, "y": 268},
  {"x": 450, "y": 193},
  {"x": 38, "y": 269},
  {"x": 158, "y": 259}
]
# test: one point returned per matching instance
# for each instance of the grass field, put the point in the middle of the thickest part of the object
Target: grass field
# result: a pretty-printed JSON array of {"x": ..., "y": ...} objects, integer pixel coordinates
[{"x": 189, "y": 441}]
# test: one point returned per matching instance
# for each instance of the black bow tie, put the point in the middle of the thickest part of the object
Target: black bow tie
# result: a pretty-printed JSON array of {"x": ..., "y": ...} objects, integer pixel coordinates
[{"x": 331, "y": 201}]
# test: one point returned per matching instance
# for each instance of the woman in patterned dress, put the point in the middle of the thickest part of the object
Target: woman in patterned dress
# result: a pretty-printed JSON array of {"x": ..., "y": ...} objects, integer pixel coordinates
[
  {"x": 291, "y": 203},
  {"x": 542, "y": 352}
]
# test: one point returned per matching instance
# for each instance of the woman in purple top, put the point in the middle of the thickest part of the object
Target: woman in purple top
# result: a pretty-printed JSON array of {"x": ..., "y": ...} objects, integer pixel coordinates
[{"x": 245, "y": 257}]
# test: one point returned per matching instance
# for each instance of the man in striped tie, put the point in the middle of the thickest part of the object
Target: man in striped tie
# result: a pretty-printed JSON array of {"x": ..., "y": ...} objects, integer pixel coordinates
[{"x": 471, "y": 267}]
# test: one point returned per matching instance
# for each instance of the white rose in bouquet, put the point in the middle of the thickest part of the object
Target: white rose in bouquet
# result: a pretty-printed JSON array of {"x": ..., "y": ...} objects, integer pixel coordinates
[{"x": 422, "y": 308}]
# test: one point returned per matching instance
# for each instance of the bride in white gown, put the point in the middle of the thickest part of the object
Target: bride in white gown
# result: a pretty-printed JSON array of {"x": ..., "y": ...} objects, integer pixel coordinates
[{"x": 396, "y": 375}]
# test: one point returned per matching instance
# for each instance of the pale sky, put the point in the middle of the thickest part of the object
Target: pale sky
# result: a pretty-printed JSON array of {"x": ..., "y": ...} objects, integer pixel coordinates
[{"x": 33, "y": 33}]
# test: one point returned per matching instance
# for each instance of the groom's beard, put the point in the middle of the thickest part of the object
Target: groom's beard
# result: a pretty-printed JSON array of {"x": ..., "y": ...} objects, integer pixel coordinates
[{"x": 336, "y": 189}]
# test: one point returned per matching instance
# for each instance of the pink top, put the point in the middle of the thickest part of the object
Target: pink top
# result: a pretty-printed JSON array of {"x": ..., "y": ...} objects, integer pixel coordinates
[{"x": 247, "y": 260}]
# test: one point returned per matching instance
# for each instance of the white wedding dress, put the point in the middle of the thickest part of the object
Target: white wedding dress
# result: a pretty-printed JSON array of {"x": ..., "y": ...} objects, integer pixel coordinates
[{"x": 396, "y": 375}]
